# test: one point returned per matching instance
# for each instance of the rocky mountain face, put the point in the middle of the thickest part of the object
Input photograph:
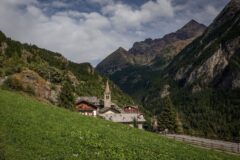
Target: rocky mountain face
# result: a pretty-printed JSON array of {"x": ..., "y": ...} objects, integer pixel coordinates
[
  {"x": 145, "y": 52},
  {"x": 130, "y": 69},
  {"x": 44, "y": 74},
  {"x": 115, "y": 62},
  {"x": 212, "y": 59},
  {"x": 202, "y": 79},
  {"x": 168, "y": 46}
]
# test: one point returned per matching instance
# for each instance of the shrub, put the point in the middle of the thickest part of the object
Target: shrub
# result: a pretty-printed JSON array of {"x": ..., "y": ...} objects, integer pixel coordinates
[
  {"x": 13, "y": 83},
  {"x": 29, "y": 90},
  {"x": 2, "y": 73}
]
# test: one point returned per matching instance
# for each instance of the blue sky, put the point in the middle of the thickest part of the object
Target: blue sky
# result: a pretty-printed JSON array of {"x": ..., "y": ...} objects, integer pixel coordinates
[{"x": 89, "y": 30}]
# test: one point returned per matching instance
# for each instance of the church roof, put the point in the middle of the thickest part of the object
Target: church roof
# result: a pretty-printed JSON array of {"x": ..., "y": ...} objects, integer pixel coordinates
[
  {"x": 124, "y": 117},
  {"x": 92, "y": 100},
  {"x": 113, "y": 107}
]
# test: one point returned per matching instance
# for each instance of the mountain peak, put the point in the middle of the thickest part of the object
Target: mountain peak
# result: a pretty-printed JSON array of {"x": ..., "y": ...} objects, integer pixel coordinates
[
  {"x": 193, "y": 24},
  {"x": 234, "y": 2},
  {"x": 121, "y": 49},
  {"x": 193, "y": 21},
  {"x": 233, "y": 6},
  {"x": 228, "y": 12}
]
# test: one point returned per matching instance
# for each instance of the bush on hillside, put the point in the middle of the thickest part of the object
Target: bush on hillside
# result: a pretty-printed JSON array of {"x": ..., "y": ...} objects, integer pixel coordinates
[{"x": 13, "y": 83}]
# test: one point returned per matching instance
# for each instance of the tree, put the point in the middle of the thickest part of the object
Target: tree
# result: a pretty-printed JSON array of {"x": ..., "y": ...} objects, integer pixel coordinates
[
  {"x": 66, "y": 98},
  {"x": 167, "y": 118},
  {"x": 135, "y": 123}
]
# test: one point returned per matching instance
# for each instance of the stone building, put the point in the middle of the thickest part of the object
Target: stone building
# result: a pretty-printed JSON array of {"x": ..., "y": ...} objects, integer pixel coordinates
[{"x": 105, "y": 108}]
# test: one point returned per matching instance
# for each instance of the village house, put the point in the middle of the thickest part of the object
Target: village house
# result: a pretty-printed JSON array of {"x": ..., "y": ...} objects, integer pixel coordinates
[{"x": 105, "y": 108}]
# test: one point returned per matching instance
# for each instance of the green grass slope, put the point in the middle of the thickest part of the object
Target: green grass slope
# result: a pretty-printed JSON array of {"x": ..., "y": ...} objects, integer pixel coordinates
[{"x": 30, "y": 129}]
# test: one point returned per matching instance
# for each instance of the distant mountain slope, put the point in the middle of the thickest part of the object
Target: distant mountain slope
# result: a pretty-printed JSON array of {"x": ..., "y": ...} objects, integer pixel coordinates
[
  {"x": 144, "y": 53},
  {"x": 168, "y": 46},
  {"x": 130, "y": 69},
  {"x": 114, "y": 62},
  {"x": 49, "y": 75},
  {"x": 203, "y": 80},
  {"x": 33, "y": 130}
]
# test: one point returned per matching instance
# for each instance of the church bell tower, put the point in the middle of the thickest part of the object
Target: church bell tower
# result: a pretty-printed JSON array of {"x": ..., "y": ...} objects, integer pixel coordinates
[{"x": 107, "y": 96}]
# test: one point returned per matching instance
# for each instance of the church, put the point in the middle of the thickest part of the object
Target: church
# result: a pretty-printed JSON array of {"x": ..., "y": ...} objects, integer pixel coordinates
[{"x": 105, "y": 108}]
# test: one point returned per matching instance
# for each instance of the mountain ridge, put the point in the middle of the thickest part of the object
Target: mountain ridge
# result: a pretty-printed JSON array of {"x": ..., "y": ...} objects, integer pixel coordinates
[{"x": 144, "y": 52}]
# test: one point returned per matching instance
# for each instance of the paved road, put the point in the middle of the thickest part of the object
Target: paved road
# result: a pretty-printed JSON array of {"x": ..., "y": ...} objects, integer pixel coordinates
[{"x": 208, "y": 143}]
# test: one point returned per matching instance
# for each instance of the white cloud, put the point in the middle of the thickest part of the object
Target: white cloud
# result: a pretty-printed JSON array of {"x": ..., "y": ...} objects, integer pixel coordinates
[
  {"x": 124, "y": 17},
  {"x": 90, "y": 37},
  {"x": 79, "y": 36},
  {"x": 102, "y": 2},
  {"x": 58, "y": 4},
  {"x": 212, "y": 11}
]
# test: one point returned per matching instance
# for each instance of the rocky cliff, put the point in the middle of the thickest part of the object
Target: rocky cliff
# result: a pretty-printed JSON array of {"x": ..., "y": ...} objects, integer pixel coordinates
[{"x": 212, "y": 59}]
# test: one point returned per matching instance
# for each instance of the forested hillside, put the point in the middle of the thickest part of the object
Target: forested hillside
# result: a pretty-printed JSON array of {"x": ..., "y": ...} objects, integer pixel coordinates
[{"x": 50, "y": 76}]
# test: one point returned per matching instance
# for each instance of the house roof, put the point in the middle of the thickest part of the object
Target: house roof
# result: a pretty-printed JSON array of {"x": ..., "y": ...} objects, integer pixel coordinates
[
  {"x": 103, "y": 110},
  {"x": 124, "y": 117},
  {"x": 87, "y": 107},
  {"x": 92, "y": 100},
  {"x": 136, "y": 107}
]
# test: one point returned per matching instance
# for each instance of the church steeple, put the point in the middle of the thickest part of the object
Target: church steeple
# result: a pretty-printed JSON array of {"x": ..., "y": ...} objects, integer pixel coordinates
[
  {"x": 107, "y": 96},
  {"x": 107, "y": 90}
]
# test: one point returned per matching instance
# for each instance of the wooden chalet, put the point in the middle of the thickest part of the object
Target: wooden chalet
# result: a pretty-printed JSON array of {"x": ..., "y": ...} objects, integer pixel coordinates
[{"x": 86, "y": 108}]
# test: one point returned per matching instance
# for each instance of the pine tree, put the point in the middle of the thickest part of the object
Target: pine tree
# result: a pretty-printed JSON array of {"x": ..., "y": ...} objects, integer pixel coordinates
[
  {"x": 66, "y": 98},
  {"x": 167, "y": 118}
]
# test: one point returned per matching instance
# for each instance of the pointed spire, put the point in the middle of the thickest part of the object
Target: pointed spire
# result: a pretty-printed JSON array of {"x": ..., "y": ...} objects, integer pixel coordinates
[{"x": 107, "y": 89}]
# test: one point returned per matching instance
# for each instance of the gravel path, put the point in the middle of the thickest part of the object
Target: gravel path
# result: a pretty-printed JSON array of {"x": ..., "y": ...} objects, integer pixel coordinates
[{"x": 208, "y": 143}]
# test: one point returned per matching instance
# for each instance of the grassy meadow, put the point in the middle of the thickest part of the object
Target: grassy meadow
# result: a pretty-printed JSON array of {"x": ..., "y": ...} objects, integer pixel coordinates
[{"x": 30, "y": 129}]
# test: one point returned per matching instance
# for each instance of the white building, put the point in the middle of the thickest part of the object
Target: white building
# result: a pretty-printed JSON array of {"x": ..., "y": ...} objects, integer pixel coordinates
[{"x": 92, "y": 106}]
